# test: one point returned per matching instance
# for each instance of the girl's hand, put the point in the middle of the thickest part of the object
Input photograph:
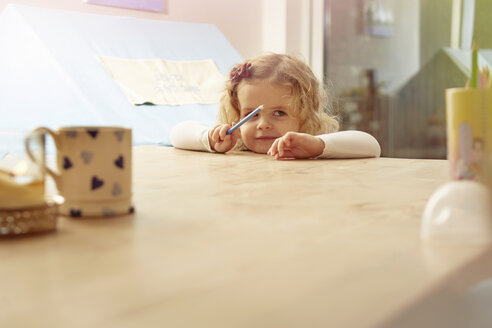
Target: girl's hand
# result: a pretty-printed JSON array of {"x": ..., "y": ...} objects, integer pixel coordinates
[
  {"x": 296, "y": 145},
  {"x": 219, "y": 141}
]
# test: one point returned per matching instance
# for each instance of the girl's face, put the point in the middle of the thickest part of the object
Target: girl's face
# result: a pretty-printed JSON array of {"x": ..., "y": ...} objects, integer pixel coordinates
[{"x": 275, "y": 120}]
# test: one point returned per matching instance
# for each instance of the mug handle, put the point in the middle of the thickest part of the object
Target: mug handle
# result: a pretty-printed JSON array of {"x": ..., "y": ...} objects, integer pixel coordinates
[{"x": 56, "y": 177}]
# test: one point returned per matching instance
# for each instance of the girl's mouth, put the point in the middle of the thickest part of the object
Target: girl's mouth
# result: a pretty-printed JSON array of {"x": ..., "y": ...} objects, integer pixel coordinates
[{"x": 266, "y": 138}]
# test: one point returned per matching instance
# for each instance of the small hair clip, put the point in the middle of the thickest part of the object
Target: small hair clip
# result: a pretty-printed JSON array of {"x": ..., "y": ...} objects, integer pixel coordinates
[{"x": 239, "y": 72}]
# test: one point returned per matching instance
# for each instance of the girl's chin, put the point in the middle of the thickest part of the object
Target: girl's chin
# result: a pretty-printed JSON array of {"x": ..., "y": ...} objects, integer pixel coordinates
[
  {"x": 260, "y": 146},
  {"x": 261, "y": 149}
]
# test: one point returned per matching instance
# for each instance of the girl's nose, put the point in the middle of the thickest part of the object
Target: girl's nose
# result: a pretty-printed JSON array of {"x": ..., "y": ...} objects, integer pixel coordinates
[{"x": 264, "y": 123}]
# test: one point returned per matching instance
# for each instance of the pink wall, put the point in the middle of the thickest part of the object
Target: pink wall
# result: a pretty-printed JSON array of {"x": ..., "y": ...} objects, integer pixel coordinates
[{"x": 240, "y": 21}]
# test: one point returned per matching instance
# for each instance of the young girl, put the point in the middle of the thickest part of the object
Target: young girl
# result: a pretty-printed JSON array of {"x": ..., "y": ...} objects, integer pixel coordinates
[{"x": 292, "y": 124}]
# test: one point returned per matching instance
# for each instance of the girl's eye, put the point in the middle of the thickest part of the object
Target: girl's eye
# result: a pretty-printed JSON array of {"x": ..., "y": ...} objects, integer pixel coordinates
[
  {"x": 279, "y": 113},
  {"x": 248, "y": 114}
]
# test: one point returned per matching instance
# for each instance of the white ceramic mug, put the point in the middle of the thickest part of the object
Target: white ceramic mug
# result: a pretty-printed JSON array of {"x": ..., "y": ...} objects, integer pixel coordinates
[{"x": 94, "y": 169}]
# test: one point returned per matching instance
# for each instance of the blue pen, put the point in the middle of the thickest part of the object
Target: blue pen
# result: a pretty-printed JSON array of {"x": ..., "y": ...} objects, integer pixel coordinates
[{"x": 245, "y": 119}]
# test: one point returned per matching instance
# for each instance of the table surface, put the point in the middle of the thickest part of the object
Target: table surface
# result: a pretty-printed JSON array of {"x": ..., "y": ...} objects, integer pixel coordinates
[{"x": 238, "y": 240}]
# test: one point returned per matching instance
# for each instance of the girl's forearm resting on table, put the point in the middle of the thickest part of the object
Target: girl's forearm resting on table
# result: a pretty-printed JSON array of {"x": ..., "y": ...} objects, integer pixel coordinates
[
  {"x": 349, "y": 144},
  {"x": 191, "y": 135}
]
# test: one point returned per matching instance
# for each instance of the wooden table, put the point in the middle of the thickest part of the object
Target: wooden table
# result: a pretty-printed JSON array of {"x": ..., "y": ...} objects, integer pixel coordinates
[{"x": 239, "y": 240}]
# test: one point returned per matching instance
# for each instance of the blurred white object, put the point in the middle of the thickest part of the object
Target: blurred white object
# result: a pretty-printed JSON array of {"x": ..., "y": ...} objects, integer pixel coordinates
[{"x": 458, "y": 211}]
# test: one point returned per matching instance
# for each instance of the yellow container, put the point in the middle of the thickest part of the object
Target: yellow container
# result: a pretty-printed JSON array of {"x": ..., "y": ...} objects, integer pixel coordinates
[
  {"x": 488, "y": 124},
  {"x": 468, "y": 141},
  {"x": 488, "y": 139}
]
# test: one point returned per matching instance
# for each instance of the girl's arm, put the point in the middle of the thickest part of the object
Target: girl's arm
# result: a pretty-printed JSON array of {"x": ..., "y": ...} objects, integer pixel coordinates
[
  {"x": 349, "y": 144},
  {"x": 191, "y": 135},
  {"x": 344, "y": 144}
]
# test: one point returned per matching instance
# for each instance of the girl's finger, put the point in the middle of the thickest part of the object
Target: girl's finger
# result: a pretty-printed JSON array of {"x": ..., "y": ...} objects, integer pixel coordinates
[
  {"x": 234, "y": 137},
  {"x": 288, "y": 138},
  {"x": 217, "y": 135},
  {"x": 223, "y": 131},
  {"x": 270, "y": 150},
  {"x": 273, "y": 148},
  {"x": 281, "y": 146},
  {"x": 287, "y": 154}
]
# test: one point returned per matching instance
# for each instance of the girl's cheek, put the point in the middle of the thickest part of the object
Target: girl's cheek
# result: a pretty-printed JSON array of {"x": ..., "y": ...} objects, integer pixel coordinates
[{"x": 249, "y": 124}]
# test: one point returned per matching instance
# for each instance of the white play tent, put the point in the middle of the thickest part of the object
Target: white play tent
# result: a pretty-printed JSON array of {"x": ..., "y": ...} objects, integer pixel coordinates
[{"x": 50, "y": 74}]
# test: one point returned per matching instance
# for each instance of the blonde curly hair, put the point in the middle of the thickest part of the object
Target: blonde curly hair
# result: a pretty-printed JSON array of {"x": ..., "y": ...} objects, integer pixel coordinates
[{"x": 310, "y": 101}]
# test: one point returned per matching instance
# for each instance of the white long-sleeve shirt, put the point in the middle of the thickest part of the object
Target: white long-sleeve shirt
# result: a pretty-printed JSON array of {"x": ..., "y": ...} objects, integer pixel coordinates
[{"x": 193, "y": 135}]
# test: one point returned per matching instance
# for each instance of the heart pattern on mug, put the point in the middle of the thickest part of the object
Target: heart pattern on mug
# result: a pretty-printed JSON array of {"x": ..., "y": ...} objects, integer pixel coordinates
[
  {"x": 116, "y": 191},
  {"x": 119, "y": 162},
  {"x": 96, "y": 183},
  {"x": 119, "y": 134},
  {"x": 93, "y": 133},
  {"x": 75, "y": 213},
  {"x": 67, "y": 163},
  {"x": 86, "y": 156}
]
